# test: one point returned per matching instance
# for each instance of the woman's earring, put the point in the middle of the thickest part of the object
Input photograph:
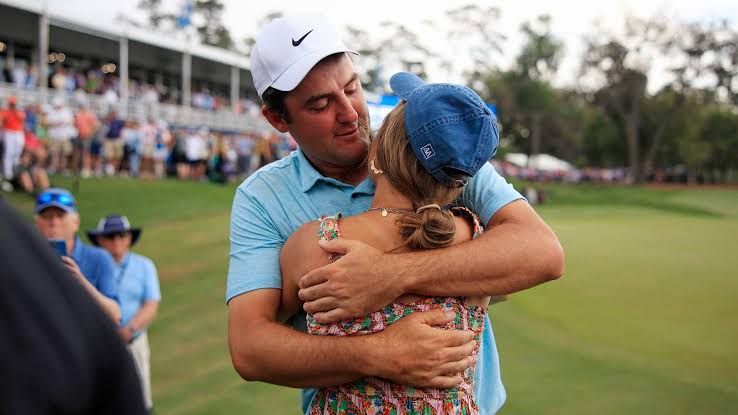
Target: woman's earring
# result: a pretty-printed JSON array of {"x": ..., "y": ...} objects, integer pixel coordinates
[{"x": 374, "y": 169}]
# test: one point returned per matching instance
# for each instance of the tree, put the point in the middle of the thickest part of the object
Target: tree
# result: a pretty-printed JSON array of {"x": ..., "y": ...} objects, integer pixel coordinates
[
  {"x": 623, "y": 64},
  {"x": 208, "y": 19},
  {"x": 152, "y": 8},
  {"x": 472, "y": 34},
  {"x": 719, "y": 128},
  {"x": 368, "y": 61},
  {"x": 537, "y": 63},
  {"x": 541, "y": 53}
]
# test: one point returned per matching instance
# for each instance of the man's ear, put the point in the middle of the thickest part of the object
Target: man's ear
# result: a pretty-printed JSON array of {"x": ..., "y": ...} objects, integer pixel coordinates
[{"x": 275, "y": 119}]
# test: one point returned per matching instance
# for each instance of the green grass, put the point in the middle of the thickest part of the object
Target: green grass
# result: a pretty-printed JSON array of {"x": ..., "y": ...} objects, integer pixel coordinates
[{"x": 643, "y": 322}]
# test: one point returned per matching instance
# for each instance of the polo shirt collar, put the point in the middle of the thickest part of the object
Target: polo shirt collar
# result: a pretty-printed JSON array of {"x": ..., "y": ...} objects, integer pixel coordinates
[{"x": 310, "y": 176}]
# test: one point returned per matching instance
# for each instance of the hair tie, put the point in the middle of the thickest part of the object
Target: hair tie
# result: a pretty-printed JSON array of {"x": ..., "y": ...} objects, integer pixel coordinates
[{"x": 431, "y": 206}]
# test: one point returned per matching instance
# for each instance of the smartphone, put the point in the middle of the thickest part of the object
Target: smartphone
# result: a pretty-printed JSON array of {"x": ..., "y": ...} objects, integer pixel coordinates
[{"x": 59, "y": 245}]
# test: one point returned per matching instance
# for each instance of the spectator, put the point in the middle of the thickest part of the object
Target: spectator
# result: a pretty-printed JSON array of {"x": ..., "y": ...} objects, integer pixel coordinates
[
  {"x": 87, "y": 125},
  {"x": 57, "y": 218},
  {"x": 113, "y": 147},
  {"x": 196, "y": 151},
  {"x": 58, "y": 353},
  {"x": 61, "y": 130},
  {"x": 148, "y": 146},
  {"x": 59, "y": 79},
  {"x": 131, "y": 136},
  {"x": 31, "y": 120},
  {"x": 30, "y": 174},
  {"x": 11, "y": 121},
  {"x": 244, "y": 146},
  {"x": 161, "y": 148},
  {"x": 138, "y": 290}
]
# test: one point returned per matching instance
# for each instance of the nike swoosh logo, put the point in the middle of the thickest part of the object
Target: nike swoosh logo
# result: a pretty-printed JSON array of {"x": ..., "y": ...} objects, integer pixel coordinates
[{"x": 297, "y": 42}]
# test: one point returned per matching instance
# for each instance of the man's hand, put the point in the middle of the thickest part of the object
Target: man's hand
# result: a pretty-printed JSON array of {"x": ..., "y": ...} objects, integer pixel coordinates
[
  {"x": 414, "y": 352},
  {"x": 126, "y": 334},
  {"x": 72, "y": 266},
  {"x": 351, "y": 287}
]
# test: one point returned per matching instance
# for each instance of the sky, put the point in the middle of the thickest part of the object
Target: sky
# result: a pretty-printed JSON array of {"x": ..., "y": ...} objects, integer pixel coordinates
[{"x": 570, "y": 19}]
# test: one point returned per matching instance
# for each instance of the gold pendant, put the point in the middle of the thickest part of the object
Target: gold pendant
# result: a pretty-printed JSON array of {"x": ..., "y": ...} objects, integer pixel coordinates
[{"x": 384, "y": 212}]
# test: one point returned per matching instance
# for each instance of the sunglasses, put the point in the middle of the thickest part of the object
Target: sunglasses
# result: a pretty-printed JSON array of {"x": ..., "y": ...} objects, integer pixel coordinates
[
  {"x": 61, "y": 198},
  {"x": 114, "y": 235}
]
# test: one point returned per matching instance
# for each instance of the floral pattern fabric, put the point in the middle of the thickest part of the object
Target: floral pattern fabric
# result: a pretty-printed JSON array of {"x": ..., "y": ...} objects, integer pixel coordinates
[{"x": 376, "y": 396}]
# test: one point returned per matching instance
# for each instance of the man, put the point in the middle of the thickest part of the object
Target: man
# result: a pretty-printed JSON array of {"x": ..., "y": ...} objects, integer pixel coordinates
[
  {"x": 86, "y": 123},
  {"x": 11, "y": 121},
  {"x": 138, "y": 290},
  {"x": 57, "y": 218},
  {"x": 310, "y": 89},
  {"x": 60, "y": 121},
  {"x": 113, "y": 144},
  {"x": 59, "y": 353}
]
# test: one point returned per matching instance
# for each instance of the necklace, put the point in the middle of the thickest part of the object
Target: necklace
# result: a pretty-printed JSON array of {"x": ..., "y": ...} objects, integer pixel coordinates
[{"x": 391, "y": 210}]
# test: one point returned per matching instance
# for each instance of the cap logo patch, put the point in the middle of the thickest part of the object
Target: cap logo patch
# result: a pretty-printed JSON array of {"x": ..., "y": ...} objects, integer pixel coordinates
[
  {"x": 427, "y": 151},
  {"x": 297, "y": 42}
]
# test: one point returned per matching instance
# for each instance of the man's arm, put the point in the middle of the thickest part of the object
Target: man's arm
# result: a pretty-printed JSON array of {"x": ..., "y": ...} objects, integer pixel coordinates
[
  {"x": 140, "y": 320},
  {"x": 109, "y": 306},
  {"x": 517, "y": 251},
  {"x": 410, "y": 351}
]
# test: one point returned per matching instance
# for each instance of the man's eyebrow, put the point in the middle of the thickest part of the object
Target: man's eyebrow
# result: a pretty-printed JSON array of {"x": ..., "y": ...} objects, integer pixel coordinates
[
  {"x": 353, "y": 78},
  {"x": 315, "y": 98}
]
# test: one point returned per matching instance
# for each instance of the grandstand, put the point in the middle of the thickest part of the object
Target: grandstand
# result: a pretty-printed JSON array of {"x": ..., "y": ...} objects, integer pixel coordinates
[{"x": 140, "y": 72}]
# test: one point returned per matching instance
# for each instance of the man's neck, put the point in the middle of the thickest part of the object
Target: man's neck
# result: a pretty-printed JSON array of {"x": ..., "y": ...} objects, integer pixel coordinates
[
  {"x": 347, "y": 174},
  {"x": 71, "y": 245},
  {"x": 119, "y": 257}
]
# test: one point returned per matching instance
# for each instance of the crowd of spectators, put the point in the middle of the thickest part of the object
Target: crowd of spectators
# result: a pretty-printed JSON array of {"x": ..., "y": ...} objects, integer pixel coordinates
[
  {"x": 94, "y": 80},
  {"x": 54, "y": 139}
]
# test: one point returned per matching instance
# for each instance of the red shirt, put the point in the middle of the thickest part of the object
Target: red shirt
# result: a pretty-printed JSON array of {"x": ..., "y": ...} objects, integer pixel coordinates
[{"x": 13, "y": 120}]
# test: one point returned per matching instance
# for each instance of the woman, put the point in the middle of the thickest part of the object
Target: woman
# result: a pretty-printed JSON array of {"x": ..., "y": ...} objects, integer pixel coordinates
[{"x": 420, "y": 159}]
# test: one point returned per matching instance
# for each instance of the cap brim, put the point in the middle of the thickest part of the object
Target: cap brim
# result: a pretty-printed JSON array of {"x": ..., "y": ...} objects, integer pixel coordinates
[
  {"x": 93, "y": 234},
  {"x": 55, "y": 204},
  {"x": 292, "y": 77},
  {"x": 404, "y": 83},
  {"x": 135, "y": 234}
]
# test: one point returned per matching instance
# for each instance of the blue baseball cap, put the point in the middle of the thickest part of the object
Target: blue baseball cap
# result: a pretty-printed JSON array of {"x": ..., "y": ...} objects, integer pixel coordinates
[
  {"x": 449, "y": 127},
  {"x": 55, "y": 197}
]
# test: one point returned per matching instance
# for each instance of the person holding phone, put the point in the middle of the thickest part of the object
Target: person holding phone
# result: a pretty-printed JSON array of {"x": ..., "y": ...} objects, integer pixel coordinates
[{"x": 57, "y": 219}]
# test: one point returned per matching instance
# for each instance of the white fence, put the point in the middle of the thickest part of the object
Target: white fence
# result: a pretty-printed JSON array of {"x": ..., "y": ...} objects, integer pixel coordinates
[{"x": 137, "y": 109}]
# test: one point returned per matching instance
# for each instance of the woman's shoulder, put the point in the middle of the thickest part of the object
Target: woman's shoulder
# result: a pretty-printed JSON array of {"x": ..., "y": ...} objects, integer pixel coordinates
[
  {"x": 302, "y": 253},
  {"x": 468, "y": 224}
]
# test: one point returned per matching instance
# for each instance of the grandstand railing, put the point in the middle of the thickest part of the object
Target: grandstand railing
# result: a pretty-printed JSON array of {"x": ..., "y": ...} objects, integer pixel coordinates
[{"x": 138, "y": 109}]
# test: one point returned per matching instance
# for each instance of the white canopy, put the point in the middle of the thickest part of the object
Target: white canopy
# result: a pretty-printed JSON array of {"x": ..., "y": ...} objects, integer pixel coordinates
[{"x": 542, "y": 162}]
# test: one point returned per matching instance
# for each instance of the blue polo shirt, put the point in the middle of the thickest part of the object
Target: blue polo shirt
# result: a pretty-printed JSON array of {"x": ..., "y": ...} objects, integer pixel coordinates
[
  {"x": 97, "y": 266},
  {"x": 137, "y": 283},
  {"x": 280, "y": 197}
]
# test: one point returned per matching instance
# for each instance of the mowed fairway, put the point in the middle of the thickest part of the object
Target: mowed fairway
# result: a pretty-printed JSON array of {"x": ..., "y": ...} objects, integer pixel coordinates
[{"x": 645, "y": 320}]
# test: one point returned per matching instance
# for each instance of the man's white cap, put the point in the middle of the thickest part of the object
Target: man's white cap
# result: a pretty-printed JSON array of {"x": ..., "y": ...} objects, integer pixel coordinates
[{"x": 287, "y": 49}]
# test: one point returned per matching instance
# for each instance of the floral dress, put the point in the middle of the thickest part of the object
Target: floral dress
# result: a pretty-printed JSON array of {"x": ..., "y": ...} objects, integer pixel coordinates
[{"x": 376, "y": 396}]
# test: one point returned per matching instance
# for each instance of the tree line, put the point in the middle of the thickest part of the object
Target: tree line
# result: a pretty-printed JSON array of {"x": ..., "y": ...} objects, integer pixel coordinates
[{"x": 687, "y": 129}]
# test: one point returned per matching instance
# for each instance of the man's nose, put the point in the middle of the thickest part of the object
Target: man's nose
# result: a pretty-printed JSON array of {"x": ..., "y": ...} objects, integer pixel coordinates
[{"x": 346, "y": 112}]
